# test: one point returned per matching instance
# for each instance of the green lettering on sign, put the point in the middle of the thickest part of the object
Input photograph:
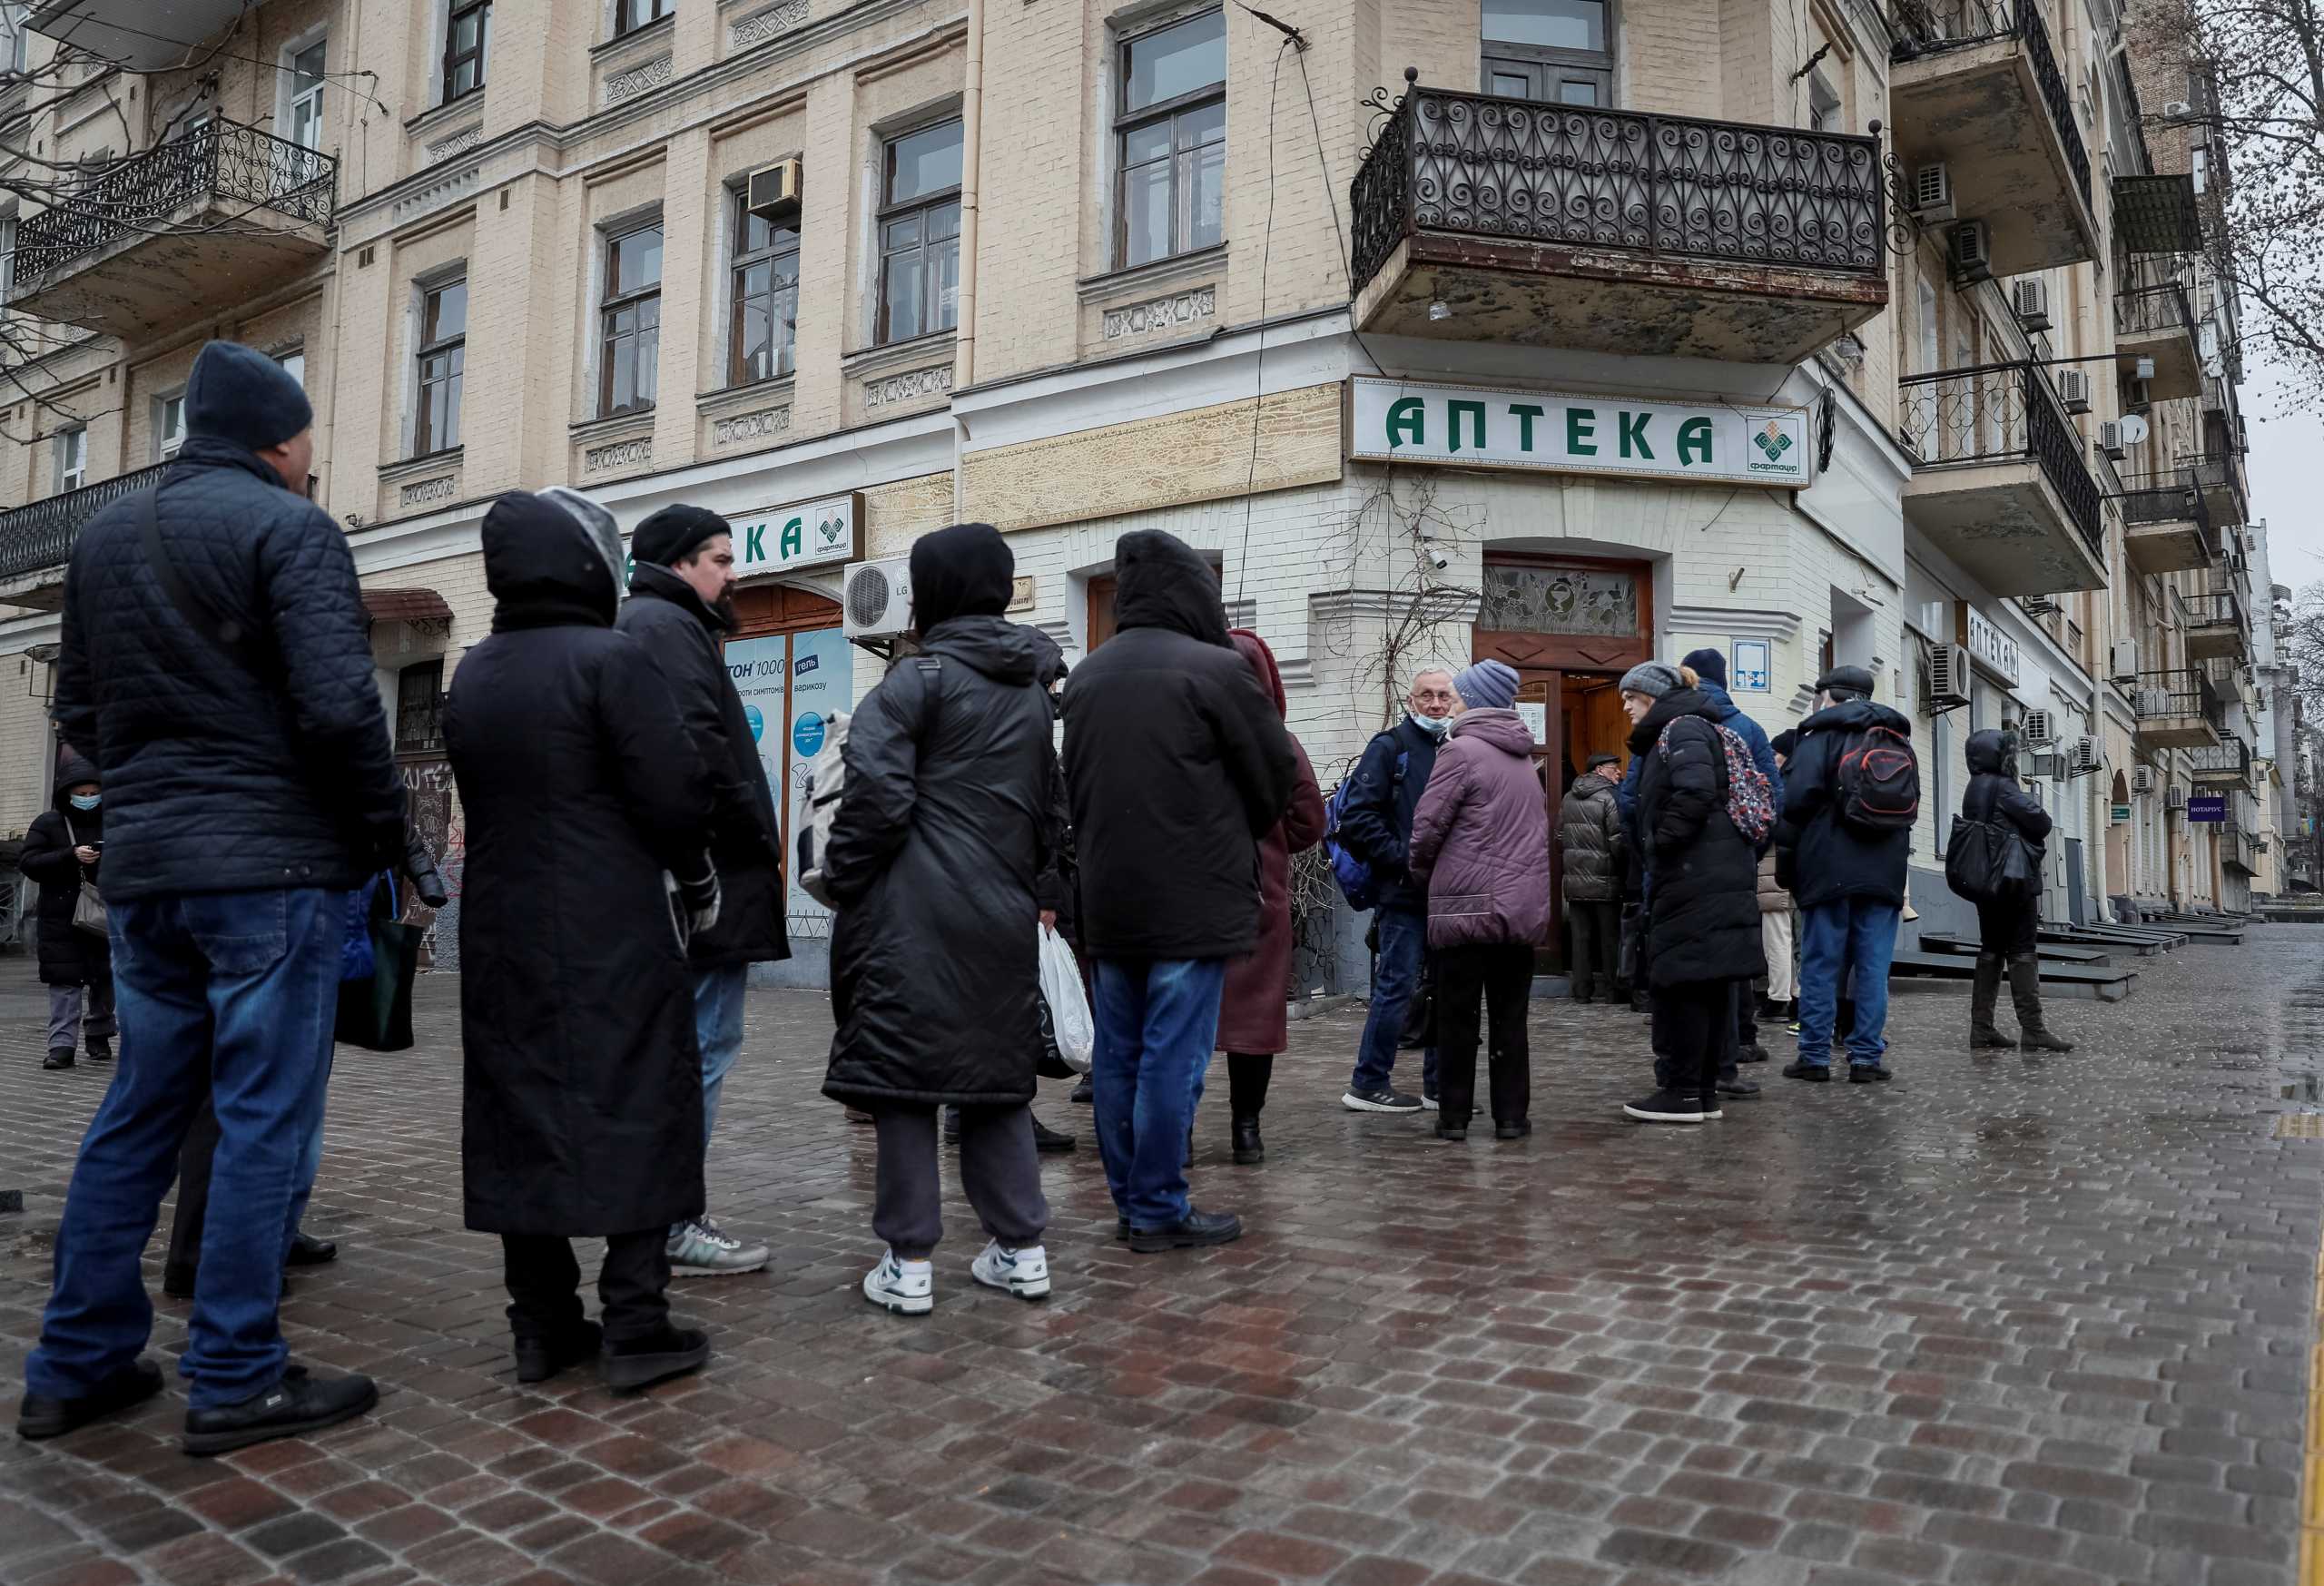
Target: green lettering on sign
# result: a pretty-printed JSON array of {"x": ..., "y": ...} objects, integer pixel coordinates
[
  {"x": 1524, "y": 413},
  {"x": 1633, "y": 428},
  {"x": 1475, "y": 413},
  {"x": 754, "y": 544},
  {"x": 793, "y": 544},
  {"x": 1407, "y": 423},
  {"x": 1581, "y": 424},
  {"x": 1694, "y": 438}
]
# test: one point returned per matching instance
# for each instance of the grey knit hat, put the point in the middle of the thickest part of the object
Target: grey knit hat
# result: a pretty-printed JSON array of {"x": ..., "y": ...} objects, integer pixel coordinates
[
  {"x": 1487, "y": 686},
  {"x": 1651, "y": 678}
]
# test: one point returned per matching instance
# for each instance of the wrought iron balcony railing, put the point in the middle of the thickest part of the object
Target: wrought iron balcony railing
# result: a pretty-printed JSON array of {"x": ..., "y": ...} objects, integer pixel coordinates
[
  {"x": 1928, "y": 27},
  {"x": 2209, "y": 610},
  {"x": 1517, "y": 171},
  {"x": 2169, "y": 696},
  {"x": 2166, "y": 495},
  {"x": 233, "y": 163},
  {"x": 2000, "y": 412},
  {"x": 2154, "y": 310},
  {"x": 39, "y": 537},
  {"x": 2231, "y": 758}
]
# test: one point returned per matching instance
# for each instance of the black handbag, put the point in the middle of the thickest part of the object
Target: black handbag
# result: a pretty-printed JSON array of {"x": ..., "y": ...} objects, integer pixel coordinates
[
  {"x": 1988, "y": 862},
  {"x": 375, "y": 1010}
]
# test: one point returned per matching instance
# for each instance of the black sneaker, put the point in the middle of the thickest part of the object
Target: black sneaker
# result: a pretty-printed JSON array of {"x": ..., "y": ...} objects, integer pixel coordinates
[
  {"x": 1048, "y": 1139},
  {"x": 306, "y": 1250},
  {"x": 1513, "y": 1131},
  {"x": 539, "y": 1359},
  {"x": 1451, "y": 1131},
  {"x": 640, "y": 1362},
  {"x": 300, "y": 1404},
  {"x": 1754, "y": 1053},
  {"x": 1820, "y": 1073},
  {"x": 1380, "y": 1101},
  {"x": 1670, "y": 1107},
  {"x": 40, "y": 1416},
  {"x": 1085, "y": 1093},
  {"x": 100, "y": 1048},
  {"x": 1198, "y": 1228},
  {"x": 1868, "y": 1074},
  {"x": 1741, "y": 1089},
  {"x": 58, "y": 1058}
]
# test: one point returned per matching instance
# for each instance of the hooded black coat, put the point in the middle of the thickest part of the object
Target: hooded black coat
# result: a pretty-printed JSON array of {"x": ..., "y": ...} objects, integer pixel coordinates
[
  {"x": 582, "y": 1094},
  {"x": 68, "y": 956},
  {"x": 1996, "y": 795},
  {"x": 1175, "y": 766},
  {"x": 684, "y": 636},
  {"x": 1704, "y": 921},
  {"x": 944, "y": 824},
  {"x": 1829, "y": 859}
]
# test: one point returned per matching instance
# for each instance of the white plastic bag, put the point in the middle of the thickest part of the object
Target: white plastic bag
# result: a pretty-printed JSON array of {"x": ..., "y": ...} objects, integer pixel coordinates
[{"x": 1076, "y": 1031}]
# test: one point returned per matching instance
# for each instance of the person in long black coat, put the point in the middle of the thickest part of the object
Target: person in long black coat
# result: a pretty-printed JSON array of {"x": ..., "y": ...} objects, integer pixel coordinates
[
  {"x": 944, "y": 826},
  {"x": 59, "y": 852},
  {"x": 1703, "y": 911},
  {"x": 582, "y": 1085},
  {"x": 2007, "y": 929}
]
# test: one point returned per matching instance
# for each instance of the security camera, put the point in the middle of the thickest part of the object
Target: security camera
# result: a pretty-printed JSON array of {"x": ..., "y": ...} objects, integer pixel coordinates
[{"x": 1439, "y": 560}]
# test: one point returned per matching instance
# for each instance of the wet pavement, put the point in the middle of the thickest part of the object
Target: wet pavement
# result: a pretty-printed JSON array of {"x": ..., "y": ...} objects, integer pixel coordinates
[{"x": 2007, "y": 1319}]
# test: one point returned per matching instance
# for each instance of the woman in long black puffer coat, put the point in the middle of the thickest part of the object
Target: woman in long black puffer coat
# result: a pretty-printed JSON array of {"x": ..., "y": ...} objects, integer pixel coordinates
[
  {"x": 945, "y": 823},
  {"x": 2006, "y": 931},
  {"x": 59, "y": 852},
  {"x": 1703, "y": 924}
]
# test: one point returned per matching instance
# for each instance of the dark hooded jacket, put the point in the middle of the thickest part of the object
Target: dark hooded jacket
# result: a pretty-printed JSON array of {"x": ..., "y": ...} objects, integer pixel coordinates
[
  {"x": 1175, "y": 766},
  {"x": 1704, "y": 917},
  {"x": 68, "y": 956},
  {"x": 1831, "y": 859},
  {"x": 1594, "y": 840},
  {"x": 1253, "y": 1013},
  {"x": 684, "y": 637},
  {"x": 582, "y": 1095},
  {"x": 1995, "y": 796},
  {"x": 944, "y": 826}
]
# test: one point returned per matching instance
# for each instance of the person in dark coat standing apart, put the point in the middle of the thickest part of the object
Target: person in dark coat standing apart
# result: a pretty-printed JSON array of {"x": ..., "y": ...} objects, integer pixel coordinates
[
  {"x": 1710, "y": 670},
  {"x": 1177, "y": 767},
  {"x": 1480, "y": 845},
  {"x": 1595, "y": 846},
  {"x": 1703, "y": 906},
  {"x": 61, "y": 853},
  {"x": 2005, "y": 929},
  {"x": 1254, "y": 1023},
  {"x": 680, "y": 612},
  {"x": 214, "y": 665},
  {"x": 945, "y": 823},
  {"x": 581, "y": 1095}
]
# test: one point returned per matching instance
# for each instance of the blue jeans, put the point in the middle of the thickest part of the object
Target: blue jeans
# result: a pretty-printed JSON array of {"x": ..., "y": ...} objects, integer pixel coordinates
[
  {"x": 1395, "y": 979},
  {"x": 311, "y": 1162},
  {"x": 1857, "y": 936},
  {"x": 234, "y": 995},
  {"x": 718, "y": 1031},
  {"x": 1157, "y": 1021}
]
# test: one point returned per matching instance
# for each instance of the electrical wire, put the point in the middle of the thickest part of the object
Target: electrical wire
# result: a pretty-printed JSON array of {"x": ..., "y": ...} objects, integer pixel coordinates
[{"x": 1259, "y": 398}]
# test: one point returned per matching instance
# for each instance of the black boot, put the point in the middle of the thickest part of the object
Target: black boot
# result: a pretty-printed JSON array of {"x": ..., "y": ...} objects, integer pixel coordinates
[
  {"x": 1983, "y": 996},
  {"x": 1048, "y": 1139},
  {"x": 1249, "y": 1149},
  {"x": 1247, "y": 1074},
  {"x": 2025, "y": 987}
]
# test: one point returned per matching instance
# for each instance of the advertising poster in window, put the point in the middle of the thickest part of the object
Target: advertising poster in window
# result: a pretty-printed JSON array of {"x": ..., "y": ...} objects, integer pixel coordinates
[
  {"x": 822, "y": 678},
  {"x": 758, "y": 668}
]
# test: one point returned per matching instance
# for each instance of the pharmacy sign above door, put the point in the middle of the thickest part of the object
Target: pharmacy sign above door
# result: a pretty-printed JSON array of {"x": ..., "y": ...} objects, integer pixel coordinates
[
  {"x": 1492, "y": 428},
  {"x": 813, "y": 534}
]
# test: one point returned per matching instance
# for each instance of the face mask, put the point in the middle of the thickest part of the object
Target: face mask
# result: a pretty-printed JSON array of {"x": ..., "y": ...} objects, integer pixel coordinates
[
  {"x": 1429, "y": 724},
  {"x": 85, "y": 800}
]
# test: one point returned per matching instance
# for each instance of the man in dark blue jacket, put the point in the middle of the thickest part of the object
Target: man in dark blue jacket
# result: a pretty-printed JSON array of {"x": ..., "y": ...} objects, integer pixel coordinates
[
  {"x": 1376, "y": 824},
  {"x": 215, "y": 666},
  {"x": 1710, "y": 666}
]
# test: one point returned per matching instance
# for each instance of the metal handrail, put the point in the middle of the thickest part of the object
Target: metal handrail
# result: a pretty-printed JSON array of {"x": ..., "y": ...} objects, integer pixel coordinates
[
  {"x": 2209, "y": 609},
  {"x": 2154, "y": 310},
  {"x": 1516, "y": 169},
  {"x": 39, "y": 537},
  {"x": 2178, "y": 693},
  {"x": 1994, "y": 412},
  {"x": 2233, "y": 755},
  {"x": 1929, "y": 27},
  {"x": 2164, "y": 495}
]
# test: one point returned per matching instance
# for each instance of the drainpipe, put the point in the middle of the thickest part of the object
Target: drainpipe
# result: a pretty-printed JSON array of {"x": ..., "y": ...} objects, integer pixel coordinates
[{"x": 964, "y": 369}]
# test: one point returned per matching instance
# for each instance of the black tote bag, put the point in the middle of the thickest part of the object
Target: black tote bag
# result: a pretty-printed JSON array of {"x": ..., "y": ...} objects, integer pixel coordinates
[{"x": 375, "y": 1010}]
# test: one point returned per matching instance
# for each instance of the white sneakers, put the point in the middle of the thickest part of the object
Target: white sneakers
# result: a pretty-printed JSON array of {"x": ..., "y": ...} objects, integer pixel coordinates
[
  {"x": 909, "y": 1287},
  {"x": 701, "y": 1248}
]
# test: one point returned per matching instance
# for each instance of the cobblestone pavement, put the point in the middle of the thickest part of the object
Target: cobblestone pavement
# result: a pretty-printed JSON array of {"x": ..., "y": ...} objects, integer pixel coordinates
[{"x": 2005, "y": 1320}]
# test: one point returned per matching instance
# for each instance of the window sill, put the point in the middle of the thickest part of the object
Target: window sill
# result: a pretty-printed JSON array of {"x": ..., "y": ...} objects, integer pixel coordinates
[
  {"x": 1170, "y": 271},
  {"x": 426, "y": 462},
  {"x": 436, "y": 116},
  {"x": 897, "y": 354},
  {"x": 756, "y": 394},
  {"x": 612, "y": 423}
]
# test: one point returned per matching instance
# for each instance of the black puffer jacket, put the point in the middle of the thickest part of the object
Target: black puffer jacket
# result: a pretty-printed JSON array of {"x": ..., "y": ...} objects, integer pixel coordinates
[
  {"x": 582, "y": 1094},
  {"x": 68, "y": 956},
  {"x": 1705, "y": 916},
  {"x": 1593, "y": 840},
  {"x": 1829, "y": 859},
  {"x": 944, "y": 823},
  {"x": 220, "y": 778},
  {"x": 666, "y": 617},
  {"x": 1994, "y": 794},
  {"x": 1176, "y": 764}
]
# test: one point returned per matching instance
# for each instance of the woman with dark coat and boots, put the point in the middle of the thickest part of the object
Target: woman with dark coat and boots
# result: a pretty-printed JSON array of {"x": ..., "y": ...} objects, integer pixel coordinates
[
  {"x": 59, "y": 852},
  {"x": 2005, "y": 929},
  {"x": 945, "y": 823},
  {"x": 587, "y": 804},
  {"x": 1253, "y": 1025},
  {"x": 1703, "y": 913}
]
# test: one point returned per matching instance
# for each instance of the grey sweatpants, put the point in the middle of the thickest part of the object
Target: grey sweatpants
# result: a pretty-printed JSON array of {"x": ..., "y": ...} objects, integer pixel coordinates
[
  {"x": 999, "y": 1170},
  {"x": 66, "y": 1006}
]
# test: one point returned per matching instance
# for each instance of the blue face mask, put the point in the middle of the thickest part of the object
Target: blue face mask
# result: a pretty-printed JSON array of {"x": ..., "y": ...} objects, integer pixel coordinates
[
  {"x": 1435, "y": 727},
  {"x": 85, "y": 800}
]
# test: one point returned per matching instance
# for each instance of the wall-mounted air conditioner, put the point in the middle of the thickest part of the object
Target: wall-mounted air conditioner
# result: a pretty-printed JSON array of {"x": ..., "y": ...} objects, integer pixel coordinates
[
  {"x": 2109, "y": 439},
  {"x": 2083, "y": 759},
  {"x": 1948, "y": 676},
  {"x": 2142, "y": 779},
  {"x": 1933, "y": 193},
  {"x": 773, "y": 193},
  {"x": 2030, "y": 300},
  {"x": 1972, "y": 252},
  {"x": 2177, "y": 798},
  {"x": 2037, "y": 730},
  {"x": 2122, "y": 661},
  {"x": 876, "y": 598},
  {"x": 2073, "y": 389}
]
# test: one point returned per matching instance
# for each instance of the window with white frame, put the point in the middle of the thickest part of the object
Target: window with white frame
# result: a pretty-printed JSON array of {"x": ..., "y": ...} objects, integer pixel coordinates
[
  {"x": 765, "y": 306},
  {"x": 1170, "y": 141},
  {"x": 304, "y": 122},
  {"x": 440, "y": 363},
  {"x": 169, "y": 426},
  {"x": 630, "y": 320},
  {"x": 70, "y": 449},
  {"x": 920, "y": 234}
]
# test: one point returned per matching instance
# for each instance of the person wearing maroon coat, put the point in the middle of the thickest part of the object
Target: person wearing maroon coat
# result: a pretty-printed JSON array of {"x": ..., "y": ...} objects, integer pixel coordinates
[{"x": 1253, "y": 1021}]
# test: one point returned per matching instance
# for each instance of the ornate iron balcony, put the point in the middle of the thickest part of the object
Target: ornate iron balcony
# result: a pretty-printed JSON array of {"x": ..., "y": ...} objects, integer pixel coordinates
[
  {"x": 2231, "y": 760},
  {"x": 2165, "y": 496},
  {"x": 2000, "y": 412},
  {"x": 1516, "y": 171},
  {"x": 1928, "y": 27},
  {"x": 2184, "y": 693},
  {"x": 2153, "y": 311},
  {"x": 2209, "y": 610},
  {"x": 219, "y": 160},
  {"x": 39, "y": 537}
]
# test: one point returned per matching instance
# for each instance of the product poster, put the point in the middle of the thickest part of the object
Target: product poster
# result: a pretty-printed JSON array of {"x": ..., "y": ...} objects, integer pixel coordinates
[
  {"x": 757, "y": 667},
  {"x": 822, "y": 678}
]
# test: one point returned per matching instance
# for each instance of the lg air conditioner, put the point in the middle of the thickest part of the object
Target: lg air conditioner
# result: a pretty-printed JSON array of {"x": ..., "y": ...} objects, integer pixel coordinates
[
  {"x": 877, "y": 596},
  {"x": 2109, "y": 439},
  {"x": 2122, "y": 661},
  {"x": 2030, "y": 300},
  {"x": 1933, "y": 193},
  {"x": 1948, "y": 677},
  {"x": 2037, "y": 730},
  {"x": 1972, "y": 252},
  {"x": 2083, "y": 758},
  {"x": 2073, "y": 389},
  {"x": 2142, "y": 779},
  {"x": 774, "y": 192}
]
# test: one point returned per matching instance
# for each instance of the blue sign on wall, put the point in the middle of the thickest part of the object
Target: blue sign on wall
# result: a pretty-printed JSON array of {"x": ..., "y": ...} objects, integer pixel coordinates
[
  {"x": 2207, "y": 807},
  {"x": 807, "y": 734}
]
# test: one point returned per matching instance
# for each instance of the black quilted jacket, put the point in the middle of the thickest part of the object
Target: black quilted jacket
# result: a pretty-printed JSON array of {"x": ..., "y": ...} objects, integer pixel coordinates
[{"x": 222, "y": 774}]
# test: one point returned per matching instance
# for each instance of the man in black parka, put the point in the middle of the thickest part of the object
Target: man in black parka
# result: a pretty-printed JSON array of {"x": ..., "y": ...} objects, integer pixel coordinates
[
  {"x": 581, "y": 1111},
  {"x": 680, "y": 612}
]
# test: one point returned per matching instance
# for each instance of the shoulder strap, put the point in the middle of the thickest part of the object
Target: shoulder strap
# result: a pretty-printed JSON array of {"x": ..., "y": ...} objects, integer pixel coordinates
[
  {"x": 222, "y": 633},
  {"x": 930, "y": 669}
]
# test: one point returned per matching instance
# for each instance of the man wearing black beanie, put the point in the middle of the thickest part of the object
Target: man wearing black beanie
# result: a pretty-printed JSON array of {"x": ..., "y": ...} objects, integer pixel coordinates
[{"x": 680, "y": 611}]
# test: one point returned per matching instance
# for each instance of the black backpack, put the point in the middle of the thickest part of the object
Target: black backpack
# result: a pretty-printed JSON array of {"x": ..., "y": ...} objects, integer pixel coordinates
[{"x": 1879, "y": 781}]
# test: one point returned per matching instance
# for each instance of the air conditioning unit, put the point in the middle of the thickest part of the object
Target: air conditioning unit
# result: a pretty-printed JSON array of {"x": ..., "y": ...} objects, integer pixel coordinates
[
  {"x": 1933, "y": 193},
  {"x": 2109, "y": 439},
  {"x": 2176, "y": 799},
  {"x": 2176, "y": 110},
  {"x": 2037, "y": 730},
  {"x": 876, "y": 598},
  {"x": 1948, "y": 676},
  {"x": 2074, "y": 388},
  {"x": 2142, "y": 779},
  {"x": 774, "y": 192},
  {"x": 2123, "y": 661},
  {"x": 1972, "y": 252},
  {"x": 2082, "y": 759},
  {"x": 2030, "y": 300},
  {"x": 2138, "y": 396}
]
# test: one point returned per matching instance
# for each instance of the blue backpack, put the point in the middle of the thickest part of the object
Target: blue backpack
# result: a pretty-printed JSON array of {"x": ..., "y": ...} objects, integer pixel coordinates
[{"x": 1357, "y": 884}]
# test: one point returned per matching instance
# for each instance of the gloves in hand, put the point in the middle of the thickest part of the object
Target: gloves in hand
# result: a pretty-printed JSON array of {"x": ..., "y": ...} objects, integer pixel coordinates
[{"x": 699, "y": 898}]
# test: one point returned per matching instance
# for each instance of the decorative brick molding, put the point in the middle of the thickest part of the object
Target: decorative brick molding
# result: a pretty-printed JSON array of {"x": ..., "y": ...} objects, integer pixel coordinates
[
  {"x": 762, "y": 25},
  {"x": 905, "y": 388},
  {"x": 435, "y": 195},
  {"x": 756, "y": 426},
  {"x": 638, "y": 79},
  {"x": 1162, "y": 313},
  {"x": 420, "y": 492},
  {"x": 460, "y": 142},
  {"x": 619, "y": 454}
]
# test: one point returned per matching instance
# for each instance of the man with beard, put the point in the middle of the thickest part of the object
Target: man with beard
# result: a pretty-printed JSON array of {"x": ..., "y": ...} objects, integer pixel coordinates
[{"x": 680, "y": 611}]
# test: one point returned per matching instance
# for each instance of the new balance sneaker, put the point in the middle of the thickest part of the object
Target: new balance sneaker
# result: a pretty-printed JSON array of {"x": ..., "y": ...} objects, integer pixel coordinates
[
  {"x": 1024, "y": 1273},
  {"x": 701, "y": 1248},
  {"x": 1381, "y": 1101},
  {"x": 905, "y": 1287},
  {"x": 1671, "y": 1107}
]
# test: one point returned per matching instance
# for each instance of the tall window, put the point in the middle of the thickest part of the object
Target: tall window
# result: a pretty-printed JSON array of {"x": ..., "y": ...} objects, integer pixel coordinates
[
  {"x": 169, "y": 426},
  {"x": 72, "y": 453},
  {"x": 920, "y": 234},
  {"x": 1171, "y": 152},
  {"x": 306, "y": 122},
  {"x": 631, "y": 340},
  {"x": 629, "y": 16},
  {"x": 443, "y": 357},
  {"x": 1558, "y": 50},
  {"x": 468, "y": 34},
  {"x": 766, "y": 309},
  {"x": 7, "y": 260},
  {"x": 18, "y": 45},
  {"x": 294, "y": 364}
]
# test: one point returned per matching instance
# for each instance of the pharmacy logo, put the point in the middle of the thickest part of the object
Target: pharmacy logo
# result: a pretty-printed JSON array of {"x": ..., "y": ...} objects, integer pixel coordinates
[{"x": 1773, "y": 442}]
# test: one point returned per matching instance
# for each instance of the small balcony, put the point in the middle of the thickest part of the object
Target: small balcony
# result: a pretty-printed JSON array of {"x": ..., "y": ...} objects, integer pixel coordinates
[
  {"x": 2155, "y": 322},
  {"x": 2166, "y": 526},
  {"x": 36, "y": 541},
  {"x": 124, "y": 32},
  {"x": 1483, "y": 219},
  {"x": 171, "y": 236},
  {"x": 2238, "y": 847},
  {"x": 1976, "y": 84},
  {"x": 2177, "y": 710},
  {"x": 2220, "y": 476},
  {"x": 2227, "y": 766},
  {"x": 2216, "y": 628},
  {"x": 1999, "y": 485}
]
